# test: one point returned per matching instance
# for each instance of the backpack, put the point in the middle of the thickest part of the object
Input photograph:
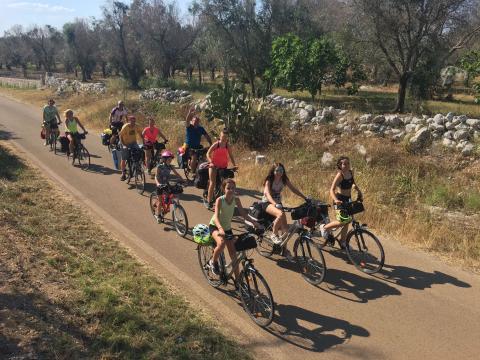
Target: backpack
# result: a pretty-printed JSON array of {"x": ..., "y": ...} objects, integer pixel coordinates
[
  {"x": 201, "y": 178},
  {"x": 63, "y": 143}
]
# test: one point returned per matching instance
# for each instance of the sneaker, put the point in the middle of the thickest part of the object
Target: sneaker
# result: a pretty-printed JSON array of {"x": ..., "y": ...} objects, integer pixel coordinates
[
  {"x": 214, "y": 266},
  {"x": 323, "y": 231},
  {"x": 211, "y": 205},
  {"x": 45, "y": 143},
  {"x": 123, "y": 177},
  {"x": 330, "y": 239},
  {"x": 158, "y": 218},
  {"x": 276, "y": 239}
]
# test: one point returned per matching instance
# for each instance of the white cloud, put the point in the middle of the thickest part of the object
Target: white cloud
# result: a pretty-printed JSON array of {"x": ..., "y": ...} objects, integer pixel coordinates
[{"x": 40, "y": 7}]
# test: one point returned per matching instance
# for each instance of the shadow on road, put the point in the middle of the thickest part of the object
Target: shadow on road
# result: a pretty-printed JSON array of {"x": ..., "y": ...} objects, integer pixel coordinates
[
  {"x": 311, "y": 331},
  {"x": 100, "y": 169},
  {"x": 417, "y": 279},
  {"x": 257, "y": 195},
  {"x": 352, "y": 287},
  {"x": 7, "y": 135}
]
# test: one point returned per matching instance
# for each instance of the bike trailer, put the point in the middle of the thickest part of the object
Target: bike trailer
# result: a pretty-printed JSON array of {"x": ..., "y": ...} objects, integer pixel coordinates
[
  {"x": 63, "y": 143},
  {"x": 245, "y": 242},
  {"x": 201, "y": 235},
  {"x": 201, "y": 180}
]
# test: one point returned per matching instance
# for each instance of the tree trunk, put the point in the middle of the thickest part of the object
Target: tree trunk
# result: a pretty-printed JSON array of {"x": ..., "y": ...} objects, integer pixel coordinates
[
  {"x": 104, "y": 69},
  {"x": 402, "y": 92},
  {"x": 212, "y": 73},
  {"x": 199, "y": 71},
  {"x": 84, "y": 75},
  {"x": 76, "y": 72},
  {"x": 24, "y": 70}
]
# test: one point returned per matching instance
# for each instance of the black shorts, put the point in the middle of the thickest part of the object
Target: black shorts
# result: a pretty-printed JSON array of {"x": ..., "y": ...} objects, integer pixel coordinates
[
  {"x": 213, "y": 228},
  {"x": 116, "y": 127}
]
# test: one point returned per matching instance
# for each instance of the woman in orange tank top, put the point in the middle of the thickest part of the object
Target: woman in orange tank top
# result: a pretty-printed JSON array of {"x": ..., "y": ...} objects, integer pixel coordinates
[{"x": 218, "y": 156}]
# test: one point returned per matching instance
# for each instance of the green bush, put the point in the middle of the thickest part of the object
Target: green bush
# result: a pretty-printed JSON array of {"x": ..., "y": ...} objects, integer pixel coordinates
[
  {"x": 472, "y": 201},
  {"x": 443, "y": 196}
]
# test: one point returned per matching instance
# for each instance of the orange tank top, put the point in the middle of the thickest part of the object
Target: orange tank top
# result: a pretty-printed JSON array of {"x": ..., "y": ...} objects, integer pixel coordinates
[{"x": 220, "y": 156}]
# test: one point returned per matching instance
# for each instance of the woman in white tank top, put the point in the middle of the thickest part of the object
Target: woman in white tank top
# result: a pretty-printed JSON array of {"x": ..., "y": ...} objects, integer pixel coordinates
[{"x": 274, "y": 183}]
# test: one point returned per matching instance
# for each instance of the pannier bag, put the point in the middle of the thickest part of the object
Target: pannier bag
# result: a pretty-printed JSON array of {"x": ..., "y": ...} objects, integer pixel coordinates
[
  {"x": 181, "y": 157},
  {"x": 354, "y": 207},
  {"x": 245, "y": 242},
  {"x": 201, "y": 179},
  {"x": 228, "y": 174},
  {"x": 321, "y": 212},
  {"x": 255, "y": 211},
  {"x": 305, "y": 210},
  {"x": 176, "y": 189},
  {"x": 105, "y": 138},
  {"x": 201, "y": 234},
  {"x": 63, "y": 143},
  {"x": 159, "y": 146},
  {"x": 137, "y": 154},
  {"x": 42, "y": 133}
]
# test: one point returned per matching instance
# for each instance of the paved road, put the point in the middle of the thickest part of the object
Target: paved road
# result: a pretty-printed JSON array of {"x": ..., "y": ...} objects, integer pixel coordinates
[{"x": 417, "y": 308}]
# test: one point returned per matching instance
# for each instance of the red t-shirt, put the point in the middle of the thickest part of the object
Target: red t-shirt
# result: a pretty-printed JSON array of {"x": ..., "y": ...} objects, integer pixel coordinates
[{"x": 150, "y": 135}]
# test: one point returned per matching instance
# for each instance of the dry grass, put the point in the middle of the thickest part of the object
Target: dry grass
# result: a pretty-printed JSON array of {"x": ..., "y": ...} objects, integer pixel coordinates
[{"x": 68, "y": 290}]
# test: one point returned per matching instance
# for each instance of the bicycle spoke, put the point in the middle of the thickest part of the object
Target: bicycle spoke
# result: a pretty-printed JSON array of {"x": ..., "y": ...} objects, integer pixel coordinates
[{"x": 365, "y": 251}]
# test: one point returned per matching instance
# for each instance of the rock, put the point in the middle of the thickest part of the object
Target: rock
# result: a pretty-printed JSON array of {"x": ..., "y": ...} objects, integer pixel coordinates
[
  {"x": 417, "y": 121},
  {"x": 418, "y": 127},
  {"x": 449, "y": 116},
  {"x": 436, "y": 127},
  {"x": 342, "y": 112},
  {"x": 317, "y": 128},
  {"x": 409, "y": 128},
  {"x": 407, "y": 120},
  {"x": 302, "y": 104},
  {"x": 260, "y": 159},
  {"x": 304, "y": 115},
  {"x": 462, "y": 144},
  {"x": 340, "y": 127},
  {"x": 379, "y": 119},
  {"x": 462, "y": 127},
  {"x": 474, "y": 123},
  {"x": 448, "y": 135},
  {"x": 361, "y": 149},
  {"x": 398, "y": 137},
  {"x": 327, "y": 159},
  {"x": 332, "y": 142},
  {"x": 310, "y": 109},
  {"x": 348, "y": 129},
  {"x": 393, "y": 121},
  {"x": 449, "y": 125},
  {"x": 294, "y": 125},
  {"x": 448, "y": 143},
  {"x": 461, "y": 135},
  {"x": 363, "y": 127},
  {"x": 429, "y": 121},
  {"x": 462, "y": 118},
  {"x": 368, "y": 133},
  {"x": 421, "y": 139},
  {"x": 318, "y": 113},
  {"x": 439, "y": 119},
  {"x": 476, "y": 135},
  {"x": 365, "y": 119},
  {"x": 468, "y": 149},
  {"x": 437, "y": 135}
]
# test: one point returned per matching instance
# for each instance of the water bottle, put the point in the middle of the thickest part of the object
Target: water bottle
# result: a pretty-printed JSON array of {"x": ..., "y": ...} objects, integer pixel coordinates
[{"x": 115, "y": 158}]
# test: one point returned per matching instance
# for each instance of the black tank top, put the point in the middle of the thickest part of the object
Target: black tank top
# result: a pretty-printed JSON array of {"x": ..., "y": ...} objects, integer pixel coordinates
[{"x": 346, "y": 184}]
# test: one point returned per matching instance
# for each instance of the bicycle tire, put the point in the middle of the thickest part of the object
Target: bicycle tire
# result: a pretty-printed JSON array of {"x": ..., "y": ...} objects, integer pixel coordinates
[
  {"x": 313, "y": 269},
  {"x": 153, "y": 204},
  {"x": 205, "y": 253},
  {"x": 84, "y": 158},
  {"x": 55, "y": 144},
  {"x": 189, "y": 175},
  {"x": 362, "y": 257},
  {"x": 139, "y": 178},
  {"x": 129, "y": 172},
  {"x": 265, "y": 246},
  {"x": 178, "y": 213},
  {"x": 205, "y": 199},
  {"x": 254, "y": 302}
]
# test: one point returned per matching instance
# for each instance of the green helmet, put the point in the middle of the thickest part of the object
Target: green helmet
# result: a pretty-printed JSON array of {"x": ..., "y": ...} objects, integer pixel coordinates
[{"x": 201, "y": 234}]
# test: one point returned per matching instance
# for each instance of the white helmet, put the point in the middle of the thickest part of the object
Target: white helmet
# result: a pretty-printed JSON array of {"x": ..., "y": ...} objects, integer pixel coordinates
[{"x": 201, "y": 234}]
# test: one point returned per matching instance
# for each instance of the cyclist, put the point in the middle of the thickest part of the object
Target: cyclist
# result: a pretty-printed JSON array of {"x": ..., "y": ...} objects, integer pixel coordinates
[
  {"x": 164, "y": 168},
  {"x": 118, "y": 113},
  {"x": 193, "y": 138},
  {"x": 128, "y": 138},
  {"x": 344, "y": 182},
  {"x": 51, "y": 119},
  {"x": 150, "y": 135},
  {"x": 221, "y": 224},
  {"x": 218, "y": 155},
  {"x": 71, "y": 129},
  {"x": 273, "y": 185}
]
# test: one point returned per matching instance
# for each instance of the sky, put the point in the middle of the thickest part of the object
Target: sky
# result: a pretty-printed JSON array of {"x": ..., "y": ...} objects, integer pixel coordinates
[{"x": 53, "y": 12}]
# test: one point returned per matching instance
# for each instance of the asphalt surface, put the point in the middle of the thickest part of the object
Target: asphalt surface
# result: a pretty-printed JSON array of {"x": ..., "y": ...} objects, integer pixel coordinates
[{"x": 417, "y": 307}]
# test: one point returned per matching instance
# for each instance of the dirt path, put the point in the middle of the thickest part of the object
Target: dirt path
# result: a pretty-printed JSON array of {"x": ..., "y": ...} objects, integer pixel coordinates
[{"x": 417, "y": 308}]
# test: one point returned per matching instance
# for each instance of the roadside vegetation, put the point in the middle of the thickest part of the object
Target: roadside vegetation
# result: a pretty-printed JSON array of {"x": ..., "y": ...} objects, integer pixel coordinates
[{"x": 71, "y": 291}]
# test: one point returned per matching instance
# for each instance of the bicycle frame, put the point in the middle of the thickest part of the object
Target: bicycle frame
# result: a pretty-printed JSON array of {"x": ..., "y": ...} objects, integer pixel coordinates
[
  {"x": 171, "y": 199},
  {"x": 229, "y": 269}
]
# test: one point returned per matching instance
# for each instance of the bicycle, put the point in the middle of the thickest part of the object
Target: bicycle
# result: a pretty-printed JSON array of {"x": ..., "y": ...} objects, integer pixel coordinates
[
  {"x": 52, "y": 139},
  {"x": 201, "y": 154},
  {"x": 135, "y": 168},
  {"x": 168, "y": 198},
  {"x": 252, "y": 288},
  {"x": 155, "y": 151},
  {"x": 308, "y": 256},
  {"x": 80, "y": 152},
  {"x": 363, "y": 248},
  {"x": 221, "y": 175}
]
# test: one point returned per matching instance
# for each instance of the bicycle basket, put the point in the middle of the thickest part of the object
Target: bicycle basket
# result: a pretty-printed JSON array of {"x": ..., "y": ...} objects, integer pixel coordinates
[
  {"x": 355, "y": 207},
  {"x": 321, "y": 211},
  {"x": 245, "y": 242},
  {"x": 305, "y": 210}
]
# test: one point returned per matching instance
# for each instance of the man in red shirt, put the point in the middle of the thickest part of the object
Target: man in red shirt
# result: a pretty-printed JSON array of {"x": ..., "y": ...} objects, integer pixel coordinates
[{"x": 150, "y": 135}]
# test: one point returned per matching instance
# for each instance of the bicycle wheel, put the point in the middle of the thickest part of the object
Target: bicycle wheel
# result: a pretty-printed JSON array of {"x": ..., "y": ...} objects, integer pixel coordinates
[
  {"x": 180, "y": 220},
  {"x": 153, "y": 205},
  {"x": 265, "y": 246},
  {"x": 189, "y": 175},
  {"x": 256, "y": 297},
  {"x": 205, "y": 253},
  {"x": 83, "y": 157},
  {"x": 205, "y": 199},
  {"x": 55, "y": 138},
  {"x": 310, "y": 260},
  {"x": 365, "y": 251},
  {"x": 129, "y": 172},
  {"x": 139, "y": 176}
]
